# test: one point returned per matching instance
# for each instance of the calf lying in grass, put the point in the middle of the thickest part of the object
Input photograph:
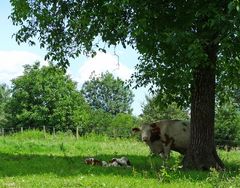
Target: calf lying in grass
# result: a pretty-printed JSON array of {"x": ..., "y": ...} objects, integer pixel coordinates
[{"x": 123, "y": 161}]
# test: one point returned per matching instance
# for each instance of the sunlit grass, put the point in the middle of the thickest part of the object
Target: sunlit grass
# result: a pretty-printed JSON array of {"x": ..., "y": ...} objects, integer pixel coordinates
[{"x": 32, "y": 159}]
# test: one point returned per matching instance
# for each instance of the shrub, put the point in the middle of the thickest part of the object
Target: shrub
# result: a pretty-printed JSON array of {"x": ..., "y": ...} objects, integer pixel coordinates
[
  {"x": 227, "y": 131},
  {"x": 122, "y": 124}
]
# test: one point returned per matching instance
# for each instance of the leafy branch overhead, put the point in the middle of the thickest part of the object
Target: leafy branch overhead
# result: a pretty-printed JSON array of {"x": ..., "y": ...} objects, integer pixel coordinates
[{"x": 169, "y": 35}]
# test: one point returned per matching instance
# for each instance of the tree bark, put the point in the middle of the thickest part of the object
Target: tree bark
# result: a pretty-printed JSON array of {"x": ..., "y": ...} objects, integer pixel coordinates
[{"x": 202, "y": 152}]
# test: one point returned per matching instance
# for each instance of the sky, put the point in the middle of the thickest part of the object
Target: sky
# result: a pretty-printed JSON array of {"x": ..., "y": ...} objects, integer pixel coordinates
[{"x": 120, "y": 62}]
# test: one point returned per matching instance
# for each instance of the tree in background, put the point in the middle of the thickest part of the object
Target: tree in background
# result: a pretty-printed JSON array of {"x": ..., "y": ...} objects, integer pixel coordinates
[
  {"x": 122, "y": 124},
  {"x": 108, "y": 93},
  {"x": 4, "y": 98},
  {"x": 236, "y": 98},
  {"x": 100, "y": 121},
  {"x": 185, "y": 47},
  {"x": 153, "y": 111},
  {"x": 46, "y": 97},
  {"x": 227, "y": 130},
  {"x": 227, "y": 116}
]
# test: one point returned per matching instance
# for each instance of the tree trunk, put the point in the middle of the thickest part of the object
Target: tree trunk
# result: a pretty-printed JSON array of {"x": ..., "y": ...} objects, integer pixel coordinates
[{"x": 202, "y": 150}]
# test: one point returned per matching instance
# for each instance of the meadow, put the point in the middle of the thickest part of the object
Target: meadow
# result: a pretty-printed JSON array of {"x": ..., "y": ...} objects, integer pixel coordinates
[{"x": 32, "y": 159}]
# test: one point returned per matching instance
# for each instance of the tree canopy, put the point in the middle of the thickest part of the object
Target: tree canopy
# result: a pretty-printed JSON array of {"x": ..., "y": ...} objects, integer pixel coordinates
[
  {"x": 46, "y": 97},
  {"x": 108, "y": 93},
  {"x": 169, "y": 35}
]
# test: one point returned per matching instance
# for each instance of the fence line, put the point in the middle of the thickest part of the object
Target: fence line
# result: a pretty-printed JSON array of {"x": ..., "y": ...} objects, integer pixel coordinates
[
  {"x": 76, "y": 131},
  {"x": 52, "y": 130},
  {"x": 79, "y": 131}
]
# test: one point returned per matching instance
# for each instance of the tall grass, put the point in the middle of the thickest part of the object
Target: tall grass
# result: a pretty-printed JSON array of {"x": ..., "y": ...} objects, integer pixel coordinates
[{"x": 32, "y": 159}]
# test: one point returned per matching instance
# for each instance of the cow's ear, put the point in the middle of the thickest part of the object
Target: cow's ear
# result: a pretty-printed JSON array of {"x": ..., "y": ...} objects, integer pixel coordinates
[
  {"x": 155, "y": 128},
  {"x": 153, "y": 125},
  {"x": 136, "y": 129}
]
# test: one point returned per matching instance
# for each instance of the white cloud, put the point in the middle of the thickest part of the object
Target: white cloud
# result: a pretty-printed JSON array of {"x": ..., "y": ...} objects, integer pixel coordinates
[
  {"x": 101, "y": 63},
  {"x": 11, "y": 64}
]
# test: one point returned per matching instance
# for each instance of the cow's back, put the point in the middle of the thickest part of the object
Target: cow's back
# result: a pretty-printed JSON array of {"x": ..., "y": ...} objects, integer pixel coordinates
[{"x": 177, "y": 131}]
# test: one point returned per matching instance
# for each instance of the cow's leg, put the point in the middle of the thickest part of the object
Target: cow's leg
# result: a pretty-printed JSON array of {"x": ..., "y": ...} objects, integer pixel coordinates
[
  {"x": 162, "y": 155},
  {"x": 166, "y": 152},
  {"x": 167, "y": 149}
]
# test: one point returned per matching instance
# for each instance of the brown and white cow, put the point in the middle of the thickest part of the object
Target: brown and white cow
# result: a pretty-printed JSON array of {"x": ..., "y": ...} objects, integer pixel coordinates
[{"x": 166, "y": 135}]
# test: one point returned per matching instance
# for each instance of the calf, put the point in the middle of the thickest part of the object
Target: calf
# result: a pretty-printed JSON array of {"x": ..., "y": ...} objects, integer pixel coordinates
[{"x": 166, "y": 135}]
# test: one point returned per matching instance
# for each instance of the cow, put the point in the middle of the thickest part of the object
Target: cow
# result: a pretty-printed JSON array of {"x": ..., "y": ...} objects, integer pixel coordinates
[{"x": 166, "y": 135}]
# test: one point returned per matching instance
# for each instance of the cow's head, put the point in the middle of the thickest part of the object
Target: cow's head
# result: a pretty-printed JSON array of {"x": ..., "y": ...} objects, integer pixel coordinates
[{"x": 149, "y": 132}]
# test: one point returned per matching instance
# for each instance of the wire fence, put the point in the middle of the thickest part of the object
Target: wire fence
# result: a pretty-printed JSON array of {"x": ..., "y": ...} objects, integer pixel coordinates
[
  {"x": 76, "y": 131},
  {"x": 119, "y": 132}
]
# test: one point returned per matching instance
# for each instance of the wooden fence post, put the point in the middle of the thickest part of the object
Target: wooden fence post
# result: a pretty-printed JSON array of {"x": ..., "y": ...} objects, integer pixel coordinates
[
  {"x": 21, "y": 129},
  {"x": 44, "y": 131},
  {"x": 2, "y": 131},
  {"x": 54, "y": 132},
  {"x": 77, "y": 133}
]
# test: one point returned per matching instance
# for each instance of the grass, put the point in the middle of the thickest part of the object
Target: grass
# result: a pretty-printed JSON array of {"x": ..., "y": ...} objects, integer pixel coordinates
[{"x": 31, "y": 160}]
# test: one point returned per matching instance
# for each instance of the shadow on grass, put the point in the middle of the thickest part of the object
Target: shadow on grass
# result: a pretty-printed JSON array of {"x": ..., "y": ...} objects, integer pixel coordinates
[{"x": 22, "y": 165}]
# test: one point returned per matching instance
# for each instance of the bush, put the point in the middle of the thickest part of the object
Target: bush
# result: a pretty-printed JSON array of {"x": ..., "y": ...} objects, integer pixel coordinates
[
  {"x": 122, "y": 124},
  {"x": 97, "y": 123},
  {"x": 101, "y": 122},
  {"x": 227, "y": 130}
]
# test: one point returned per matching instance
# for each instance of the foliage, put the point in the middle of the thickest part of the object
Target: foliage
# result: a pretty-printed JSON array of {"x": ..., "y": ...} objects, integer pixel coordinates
[
  {"x": 237, "y": 98},
  {"x": 108, "y": 93},
  {"x": 152, "y": 111},
  {"x": 169, "y": 35},
  {"x": 227, "y": 131},
  {"x": 104, "y": 123},
  {"x": 4, "y": 98},
  {"x": 32, "y": 160},
  {"x": 122, "y": 125},
  {"x": 99, "y": 122},
  {"x": 46, "y": 96}
]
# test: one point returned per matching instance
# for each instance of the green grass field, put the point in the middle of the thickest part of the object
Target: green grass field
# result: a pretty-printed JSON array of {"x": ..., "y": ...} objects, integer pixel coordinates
[{"x": 32, "y": 160}]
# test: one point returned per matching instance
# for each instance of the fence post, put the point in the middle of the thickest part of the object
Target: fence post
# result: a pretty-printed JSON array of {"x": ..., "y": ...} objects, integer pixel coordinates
[
  {"x": 21, "y": 129},
  {"x": 54, "y": 132},
  {"x": 44, "y": 131},
  {"x": 114, "y": 133},
  {"x": 2, "y": 131},
  {"x": 77, "y": 133}
]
